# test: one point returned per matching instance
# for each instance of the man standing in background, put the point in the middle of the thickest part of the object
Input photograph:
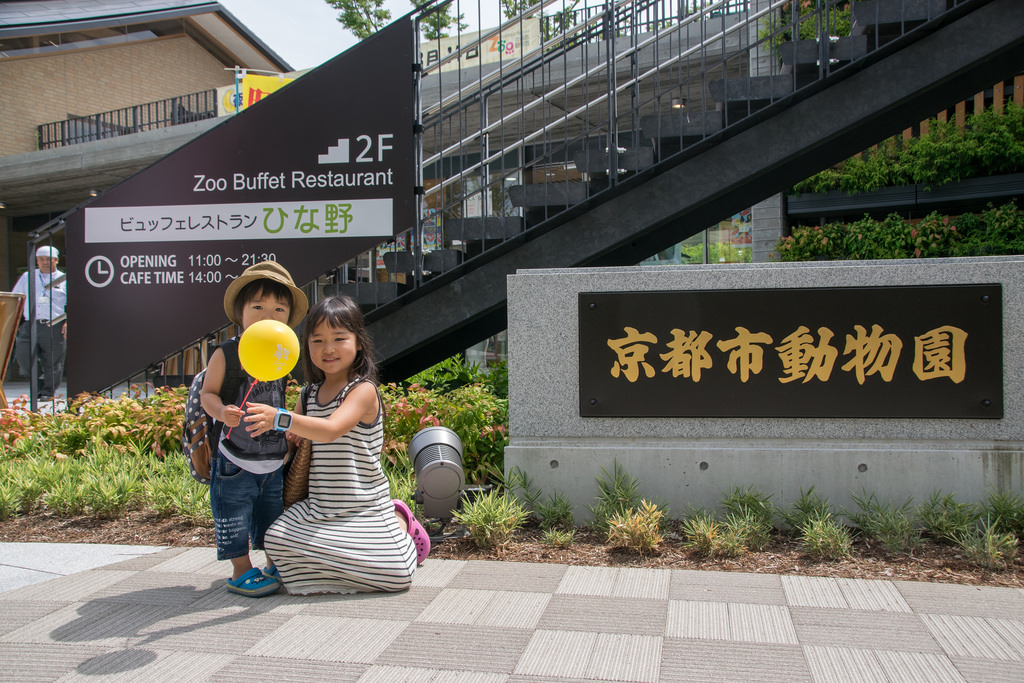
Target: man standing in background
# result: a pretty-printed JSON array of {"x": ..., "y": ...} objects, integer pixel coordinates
[{"x": 50, "y": 299}]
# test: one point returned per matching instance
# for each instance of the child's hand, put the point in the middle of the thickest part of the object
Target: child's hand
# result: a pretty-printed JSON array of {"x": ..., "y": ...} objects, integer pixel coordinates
[
  {"x": 232, "y": 415},
  {"x": 292, "y": 438},
  {"x": 260, "y": 417}
]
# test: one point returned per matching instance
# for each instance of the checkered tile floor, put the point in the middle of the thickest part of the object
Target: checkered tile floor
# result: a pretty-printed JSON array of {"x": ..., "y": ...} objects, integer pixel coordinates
[{"x": 167, "y": 616}]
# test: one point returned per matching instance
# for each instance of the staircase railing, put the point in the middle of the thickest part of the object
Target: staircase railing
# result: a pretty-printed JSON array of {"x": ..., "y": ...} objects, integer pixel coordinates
[
  {"x": 172, "y": 111},
  {"x": 513, "y": 147}
]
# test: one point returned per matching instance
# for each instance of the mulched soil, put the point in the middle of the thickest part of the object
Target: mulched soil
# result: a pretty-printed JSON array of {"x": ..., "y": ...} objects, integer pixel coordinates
[{"x": 930, "y": 561}]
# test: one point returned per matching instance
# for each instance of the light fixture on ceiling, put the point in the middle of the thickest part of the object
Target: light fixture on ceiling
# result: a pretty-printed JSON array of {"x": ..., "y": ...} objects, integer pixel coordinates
[
  {"x": 678, "y": 103},
  {"x": 3, "y": 205},
  {"x": 94, "y": 193}
]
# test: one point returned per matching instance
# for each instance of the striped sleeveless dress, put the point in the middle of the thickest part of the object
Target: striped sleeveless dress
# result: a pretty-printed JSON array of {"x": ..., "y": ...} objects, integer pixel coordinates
[{"x": 345, "y": 537}]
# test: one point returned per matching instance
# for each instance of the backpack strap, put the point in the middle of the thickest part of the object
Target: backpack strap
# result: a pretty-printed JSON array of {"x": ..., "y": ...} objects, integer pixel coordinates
[{"x": 234, "y": 375}]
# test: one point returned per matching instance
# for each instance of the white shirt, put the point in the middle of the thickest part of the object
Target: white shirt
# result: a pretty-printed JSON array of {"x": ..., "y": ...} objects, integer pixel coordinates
[{"x": 50, "y": 302}]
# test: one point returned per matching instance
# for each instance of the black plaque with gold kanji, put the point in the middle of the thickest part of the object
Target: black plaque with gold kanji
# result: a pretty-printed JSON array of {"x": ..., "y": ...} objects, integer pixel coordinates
[{"x": 878, "y": 352}]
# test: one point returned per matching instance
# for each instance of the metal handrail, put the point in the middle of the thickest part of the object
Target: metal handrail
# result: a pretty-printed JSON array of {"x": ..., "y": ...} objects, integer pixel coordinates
[
  {"x": 172, "y": 111},
  {"x": 567, "y": 85}
]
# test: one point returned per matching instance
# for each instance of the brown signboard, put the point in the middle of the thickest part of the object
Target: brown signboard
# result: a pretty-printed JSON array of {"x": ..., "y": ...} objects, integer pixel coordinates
[
  {"x": 878, "y": 352},
  {"x": 311, "y": 176}
]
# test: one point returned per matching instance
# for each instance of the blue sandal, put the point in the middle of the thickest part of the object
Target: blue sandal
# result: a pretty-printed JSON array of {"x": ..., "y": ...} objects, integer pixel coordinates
[
  {"x": 272, "y": 573},
  {"x": 254, "y": 584}
]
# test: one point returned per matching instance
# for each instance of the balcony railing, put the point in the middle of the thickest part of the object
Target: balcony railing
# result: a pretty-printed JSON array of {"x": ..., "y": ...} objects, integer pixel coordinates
[{"x": 142, "y": 117}]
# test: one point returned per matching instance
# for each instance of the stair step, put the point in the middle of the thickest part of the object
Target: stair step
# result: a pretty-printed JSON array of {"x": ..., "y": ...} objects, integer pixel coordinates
[
  {"x": 754, "y": 90},
  {"x": 366, "y": 293},
  {"x": 694, "y": 125},
  {"x": 804, "y": 54},
  {"x": 593, "y": 161},
  {"x": 484, "y": 227},
  {"x": 441, "y": 260},
  {"x": 870, "y": 16},
  {"x": 547, "y": 194},
  {"x": 399, "y": 262}
]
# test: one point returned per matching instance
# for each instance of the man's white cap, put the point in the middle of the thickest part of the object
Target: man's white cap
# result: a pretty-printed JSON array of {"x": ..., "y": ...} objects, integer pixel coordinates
[{"x": 48, "y": 252}]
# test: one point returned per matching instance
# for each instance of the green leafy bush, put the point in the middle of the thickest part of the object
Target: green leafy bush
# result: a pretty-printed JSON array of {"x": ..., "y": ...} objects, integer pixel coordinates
[
  {"x": 809, "y": 506},
  {"x": 944, "y": 519},
  {"x": 988, "y": 546},
  {"x": 995, "y": 231},
  {"x": 989, "y": 143},
  {"x": 708, "y": 537},
  {"x": 890, "y": 524},
  {"x": 834, "y": 19},
  {"x": 823, "y": 538},
  {"x": 492, "y": 518},
  {"x": 618, "y": 494},
  {"x": 473, "y": 411},
  {"x": 1006, "y": 510},
  {"x": 637, "y": 530},
  {"x": 559, "y": 538},
  {"x": 748, "y": 501}
]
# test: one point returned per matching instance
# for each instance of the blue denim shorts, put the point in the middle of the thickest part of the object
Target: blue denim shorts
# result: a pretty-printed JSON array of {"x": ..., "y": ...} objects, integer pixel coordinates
[{"x": 244, "y": 505}]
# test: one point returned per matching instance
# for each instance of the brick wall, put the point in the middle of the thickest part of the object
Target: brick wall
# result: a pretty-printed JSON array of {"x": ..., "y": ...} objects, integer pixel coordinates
[{"x": 44, "y": 88}]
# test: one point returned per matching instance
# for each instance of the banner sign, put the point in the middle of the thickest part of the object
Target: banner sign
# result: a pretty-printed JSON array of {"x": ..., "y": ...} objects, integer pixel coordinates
[
  {"x": 878, "y": 352},
  {"x": 322, "y": 171},
  {"x": 232, "y": 99},
  {"x": 508, "y": 47}
]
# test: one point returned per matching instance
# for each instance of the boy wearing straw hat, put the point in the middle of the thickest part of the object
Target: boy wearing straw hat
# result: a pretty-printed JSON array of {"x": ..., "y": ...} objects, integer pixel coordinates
[{"x": 245, "y": 474}]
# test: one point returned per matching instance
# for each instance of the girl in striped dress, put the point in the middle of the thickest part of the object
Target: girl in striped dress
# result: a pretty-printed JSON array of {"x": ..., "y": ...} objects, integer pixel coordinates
[{"x": 349, "y": 535}]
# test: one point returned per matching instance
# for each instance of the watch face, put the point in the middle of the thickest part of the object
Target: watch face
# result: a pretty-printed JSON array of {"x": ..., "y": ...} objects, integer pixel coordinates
[{"x": 284, "y": 420}]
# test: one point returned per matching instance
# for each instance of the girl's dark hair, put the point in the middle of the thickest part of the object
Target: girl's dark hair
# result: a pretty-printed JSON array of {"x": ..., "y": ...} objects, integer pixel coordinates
[
  {"x": 339, "y": 311},
  {"x": 261, "y": 287}
]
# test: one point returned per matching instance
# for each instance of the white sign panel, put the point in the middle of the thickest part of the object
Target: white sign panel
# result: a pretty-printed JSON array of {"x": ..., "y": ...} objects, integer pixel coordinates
[{"x": 219, "y": 222}]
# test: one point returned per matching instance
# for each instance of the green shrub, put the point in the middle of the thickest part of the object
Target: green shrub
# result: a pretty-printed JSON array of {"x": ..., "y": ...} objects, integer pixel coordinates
[
  {"x": 823, "y": 538},
  {"x": 556, "y": 512},
  {"x": 559, "y": 538},
  {"x": 752, "y": 530},
  {"x": 491, "y": 519},
  {"x": 744, "y": 502},
  {"x": 988, "y": 144},
  {"x": 988, "y": 546},
  {"x": 809, "y": 506},
  {"x": 637, "y": 530},
  {"x": 944, "y": 519},
  {"x": 708, "y": 537},
  {"x": 995, "y": 231},
  {"x": 1006, "y": 510},
  {"x": 618, "y": 493},
  {"x": 835, "y": 21},
  {"x": 474, "y": 413},
  {"x": 10, "y": 498},
  {"x": 890, "y": 524}
]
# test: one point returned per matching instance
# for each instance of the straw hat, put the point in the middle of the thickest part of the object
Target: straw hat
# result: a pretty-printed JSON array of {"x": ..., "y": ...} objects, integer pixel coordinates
[{"x": 267, "y": 270}]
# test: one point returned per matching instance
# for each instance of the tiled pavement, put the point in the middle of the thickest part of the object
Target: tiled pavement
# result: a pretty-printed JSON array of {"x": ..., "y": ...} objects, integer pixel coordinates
[{"x": 167, "y": 616}]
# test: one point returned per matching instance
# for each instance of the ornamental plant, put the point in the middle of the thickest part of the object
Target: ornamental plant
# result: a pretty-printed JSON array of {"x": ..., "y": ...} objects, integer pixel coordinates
[
  {"x": 989, "y": 143},
  {"x": 833, "y": 15},
  {"x": 994, "y": 231}
]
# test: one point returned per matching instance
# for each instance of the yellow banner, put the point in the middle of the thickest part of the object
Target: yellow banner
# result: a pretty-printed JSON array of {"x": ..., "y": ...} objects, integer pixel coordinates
[{"x": 251, "y": 90}]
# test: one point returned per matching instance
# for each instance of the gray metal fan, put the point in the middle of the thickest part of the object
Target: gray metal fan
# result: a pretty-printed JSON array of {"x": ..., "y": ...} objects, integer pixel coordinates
[{"x": 436, "y": 454}]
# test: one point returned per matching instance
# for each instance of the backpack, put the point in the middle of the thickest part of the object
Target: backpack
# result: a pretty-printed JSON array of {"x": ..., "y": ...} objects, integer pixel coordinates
[{"x": 200, "y": 433}]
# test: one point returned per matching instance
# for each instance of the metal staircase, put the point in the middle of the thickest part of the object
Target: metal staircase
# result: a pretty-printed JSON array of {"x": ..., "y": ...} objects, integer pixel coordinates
[
  {"x": 610, "y": 133},
  {"x": 588, "y": 159}
]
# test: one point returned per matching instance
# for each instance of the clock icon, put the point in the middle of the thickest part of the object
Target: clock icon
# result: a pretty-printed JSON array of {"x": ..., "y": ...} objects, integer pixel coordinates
[{"x": 99, "y": 271}]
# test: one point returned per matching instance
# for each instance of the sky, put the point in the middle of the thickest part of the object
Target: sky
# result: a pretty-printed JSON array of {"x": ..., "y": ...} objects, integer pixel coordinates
[{"x": 306, "y": 33}]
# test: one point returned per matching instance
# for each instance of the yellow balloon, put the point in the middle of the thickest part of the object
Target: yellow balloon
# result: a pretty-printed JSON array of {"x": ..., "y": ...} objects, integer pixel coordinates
[{"x": 268, "y": 350}]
